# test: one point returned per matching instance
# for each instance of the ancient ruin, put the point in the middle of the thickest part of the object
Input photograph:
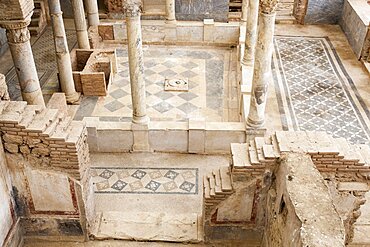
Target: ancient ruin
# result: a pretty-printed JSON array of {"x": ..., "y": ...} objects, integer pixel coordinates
[{"x": 171, "y": 122}]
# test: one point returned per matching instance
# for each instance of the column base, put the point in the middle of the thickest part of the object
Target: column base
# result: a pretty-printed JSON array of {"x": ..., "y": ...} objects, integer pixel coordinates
[
  {"x": 34, "y": 98},
  {"x": 144, "y": 120},
  {"x": 246, "y": 62},
  {"x": 141, "y": 138},
  {"x": 73, "y": 99},
  {"x": 255, "y": 124},
  {"x": 170, "y": 21}
]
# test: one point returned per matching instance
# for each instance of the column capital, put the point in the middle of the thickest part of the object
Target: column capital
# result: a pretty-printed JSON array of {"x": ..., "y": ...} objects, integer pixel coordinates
[
  {"x": 132, "y": 7},
  {"x": 268, "y": 6},
  {"x": 17, "y": 31}
]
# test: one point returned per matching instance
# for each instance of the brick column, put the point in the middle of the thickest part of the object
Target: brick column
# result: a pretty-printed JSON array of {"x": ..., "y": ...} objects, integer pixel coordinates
[
  {"x": 62, "y": 53},
  {"x": 20, "y": 48},
  {"x": 132, "y": 10},
  {"x": 251, "y": 33},
  {"x": 262, "y": 66},
  {"x": 80, "y": 24},
  {"x": 92, "y": 12}
]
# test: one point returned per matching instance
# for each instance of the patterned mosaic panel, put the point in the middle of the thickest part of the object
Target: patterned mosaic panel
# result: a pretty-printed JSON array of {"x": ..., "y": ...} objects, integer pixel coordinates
[
  {"x": 145, "y": 180},
  {"x": 161, "y": 64},
  {"x": 314, "y": 85},
  {"x": 44, "y": 55}
]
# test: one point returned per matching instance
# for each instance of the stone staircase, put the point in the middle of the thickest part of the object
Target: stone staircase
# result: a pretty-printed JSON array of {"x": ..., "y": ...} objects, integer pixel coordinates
[
  {"x": 38, "y": 19},
  {"x": 47, "y": 137},
  {"x": 255, "y": 160},
  {"x": 217, "y": 186}
]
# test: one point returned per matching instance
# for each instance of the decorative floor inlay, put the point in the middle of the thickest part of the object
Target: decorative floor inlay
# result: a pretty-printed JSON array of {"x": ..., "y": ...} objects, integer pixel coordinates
[
  {"x": 314, "y": 90},
  {"x": 145, "y": 180}
]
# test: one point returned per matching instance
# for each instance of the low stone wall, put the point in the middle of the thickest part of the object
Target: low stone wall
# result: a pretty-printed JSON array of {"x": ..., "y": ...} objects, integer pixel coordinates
[
  {"x": 48, "y": 161},
  {"x": 355, "y": 22},
  {"x": 182, "y": 137},
  {"x": 188, "y": 33}
]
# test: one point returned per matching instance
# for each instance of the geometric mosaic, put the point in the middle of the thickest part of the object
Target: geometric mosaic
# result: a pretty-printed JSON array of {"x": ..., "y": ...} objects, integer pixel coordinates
[
  {"x": 145, "y": 180},
  {"x": 314, "y": 88}
]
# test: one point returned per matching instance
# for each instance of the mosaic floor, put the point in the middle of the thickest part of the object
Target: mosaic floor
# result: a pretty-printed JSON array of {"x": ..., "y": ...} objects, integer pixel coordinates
[
  {"x": 314, "y": 90},
  {"x": 44, "y": 54},
  {"x": 145, "y": 180},
  {"x": 205, "y": 69}
]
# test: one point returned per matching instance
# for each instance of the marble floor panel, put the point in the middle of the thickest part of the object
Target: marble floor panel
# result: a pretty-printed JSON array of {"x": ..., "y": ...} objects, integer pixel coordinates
[
  {"x": 205, "y": 70},
  {"x": 314, "y": 90}
]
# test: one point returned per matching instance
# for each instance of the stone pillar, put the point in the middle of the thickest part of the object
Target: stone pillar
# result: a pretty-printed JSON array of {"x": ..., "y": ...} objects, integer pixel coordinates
[
  {"x": 243, "y": 18},
  {"x": 20, "y": 48},
  {"x": 170, "y": 11},
  {"x": 132, "y": 10},
  {"x": 80, "y": 24},
  {"x": 92, "y": 12},
  {"x": 62, "y": 53},
  {"x": 251, "y": 33},
  {"x": 262, "y": 67}
]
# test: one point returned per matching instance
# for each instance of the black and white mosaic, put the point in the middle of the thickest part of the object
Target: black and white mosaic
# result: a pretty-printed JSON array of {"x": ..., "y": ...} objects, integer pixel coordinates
[
  {"x": 314, "y": 90},
  {"x": 145, "y": 180}
]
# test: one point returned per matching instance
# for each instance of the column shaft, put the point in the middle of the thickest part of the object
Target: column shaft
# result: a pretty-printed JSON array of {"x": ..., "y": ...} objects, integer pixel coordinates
[
  {"x": 62, "y": 53},
  {"x": 80, "y": 24},
  {"x": 20, "y": 48},
  {"x": 251, "y": 33},
  {"x": 262, "y": 69},
  {"x": 244, "y": 16},
  {"x": 170, "y": 10},
  {"x": 92, "y": 12},
  {"x": 136, "y": 63}
]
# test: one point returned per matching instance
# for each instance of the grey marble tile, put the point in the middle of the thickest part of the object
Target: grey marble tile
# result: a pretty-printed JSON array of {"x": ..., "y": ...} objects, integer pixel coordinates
[{"x": 323, "y": 12}]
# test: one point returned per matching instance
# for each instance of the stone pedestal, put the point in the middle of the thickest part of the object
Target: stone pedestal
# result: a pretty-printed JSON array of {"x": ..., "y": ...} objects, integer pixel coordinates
[
  {"x": 62, "y": 53},
  {"x": 80, "y": 24},
  {"x": 132, "y": 10},
  {"x": 251, "y": 33},
  {"x": 170, "y": 11},
  {"x": 20, "y": 48},
  {"x": 92, "y": 12},
  {"x": 262, "y": 67},
  {"x": 141, "y": 138}
]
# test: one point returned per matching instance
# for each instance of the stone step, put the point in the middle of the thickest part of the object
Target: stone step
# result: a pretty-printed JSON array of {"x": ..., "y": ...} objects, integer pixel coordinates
[
  {"x": 13, "y": 112},
  {"x": 207, "y": 189},
  {"x": 253, "y": 155},
  {"x": 52, "y": 127},
  {"x": 217, "y": 179},
  {"x": 364, "y": 150},
  {"x": 212, "y": 185},
  {"x": 3, "y": 105},
  {"x": 35, "y": 22},
  {"x": 225, "y": 176},
  {"x": 42, "y": 120},
  {"x": 60, "y": 132},
  {"x": 268, "y": 152},
  {"x": 29, "y": 114},
  {"x": 346, "y": 149},
  {"x": 275, "y": 146},
  {"x": 240, "y": 156},
  {"x": 75, "y": 132}
]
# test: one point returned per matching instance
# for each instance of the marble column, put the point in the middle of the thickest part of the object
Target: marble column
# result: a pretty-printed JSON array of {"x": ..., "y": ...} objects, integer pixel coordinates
[
  {"x": 80, "y": 24},
  {"x": 262, "y": 67},
  {"x": 62, "y": 53},
  {"x": 92, "y": 12},
  {"x": 132, "y": 10},
  {"x": 243, "y": 18},
  {"x": 251, "y": 33},
  {"x": 170, "y": 11},
  {"x": 20, "y": 48}
]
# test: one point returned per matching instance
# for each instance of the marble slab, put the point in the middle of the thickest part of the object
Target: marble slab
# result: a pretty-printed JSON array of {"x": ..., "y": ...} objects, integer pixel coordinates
[
  {"x": 198, "y": 10},
  {"x": 323, "y": 12}
]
